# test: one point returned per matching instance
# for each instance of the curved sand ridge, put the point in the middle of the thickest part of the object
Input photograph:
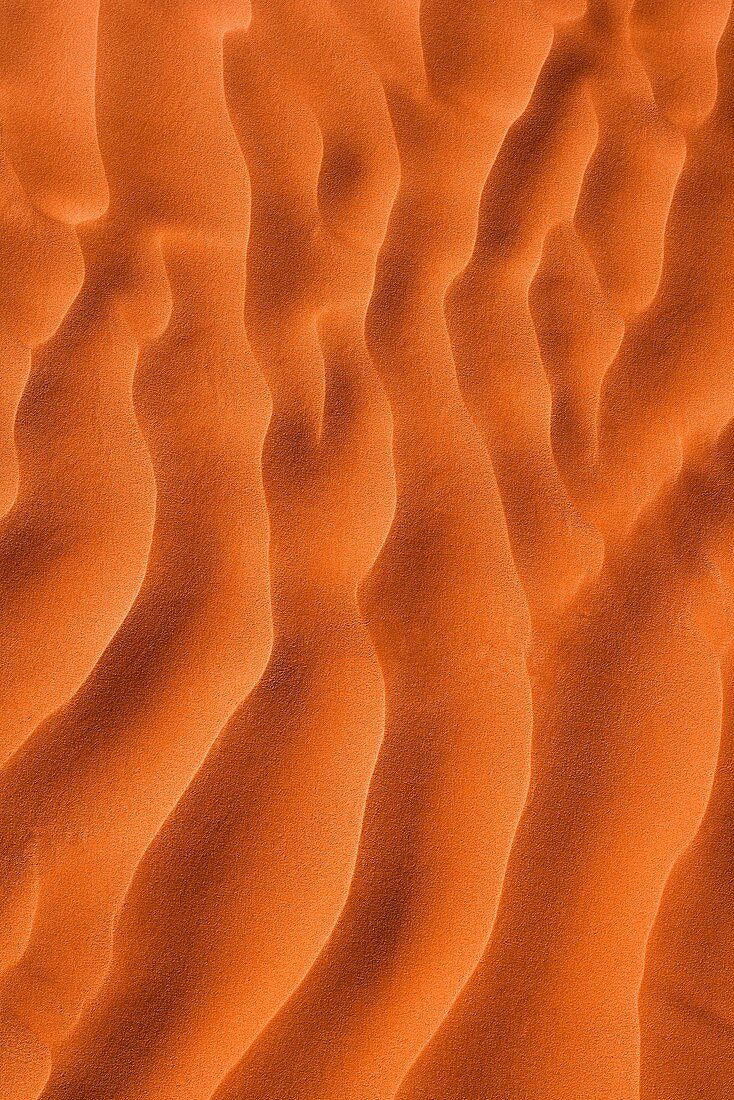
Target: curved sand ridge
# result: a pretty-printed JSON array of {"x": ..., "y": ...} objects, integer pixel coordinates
[
  {"x": 314, "y": 723},
  {"x": 89, "y": 789},
  {"x": 366, "y": 473}
]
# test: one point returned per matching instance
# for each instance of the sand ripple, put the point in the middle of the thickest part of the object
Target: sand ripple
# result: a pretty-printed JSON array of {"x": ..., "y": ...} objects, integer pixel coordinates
[{"x": 366, "y": 569}]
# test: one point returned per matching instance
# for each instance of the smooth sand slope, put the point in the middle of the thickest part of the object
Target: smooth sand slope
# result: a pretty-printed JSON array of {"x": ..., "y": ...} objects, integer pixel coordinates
[{"x": 366, "y": 569}]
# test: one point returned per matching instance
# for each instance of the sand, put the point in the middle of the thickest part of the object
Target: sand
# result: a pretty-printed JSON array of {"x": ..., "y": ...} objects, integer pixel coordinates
[{"x": 367, "y": 550}]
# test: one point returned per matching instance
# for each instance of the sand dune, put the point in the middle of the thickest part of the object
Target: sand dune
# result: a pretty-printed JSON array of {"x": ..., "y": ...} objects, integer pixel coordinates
[
  {"x": 77, "y": 501},
  {"x": 264, "y": 888},
  {"x": 366, "y": 513}
]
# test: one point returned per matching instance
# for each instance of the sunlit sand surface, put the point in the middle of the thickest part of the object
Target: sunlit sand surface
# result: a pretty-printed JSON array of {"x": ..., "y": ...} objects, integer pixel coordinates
[{"x": 367, "y": 550}]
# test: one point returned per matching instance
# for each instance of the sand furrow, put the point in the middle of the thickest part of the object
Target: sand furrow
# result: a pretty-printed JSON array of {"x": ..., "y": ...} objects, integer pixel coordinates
[
  {"x": 551, "y": 1011},
  {"x": 258, "y": 855},
  {"x": 669, "y": 385},
  {"x": 366, "y": 591},
  {"x": 77, "y": 497},
  {"x": 87, "y": 792},
  {"x": 447, "y": 614},
  {"x": 629, "y": 688}
]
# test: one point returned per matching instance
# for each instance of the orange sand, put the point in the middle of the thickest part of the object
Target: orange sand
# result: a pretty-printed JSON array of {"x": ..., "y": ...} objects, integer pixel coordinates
[{"x": 367, "y": 550}]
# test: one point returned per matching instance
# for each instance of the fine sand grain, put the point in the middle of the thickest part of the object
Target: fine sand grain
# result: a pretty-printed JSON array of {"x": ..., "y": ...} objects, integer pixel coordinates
[{"x": 367, "y": 550}]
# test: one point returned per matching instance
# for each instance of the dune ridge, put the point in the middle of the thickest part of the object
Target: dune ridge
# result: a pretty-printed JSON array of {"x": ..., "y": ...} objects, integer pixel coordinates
[
  {"x": 67, "y": 519},
  {"x": 321, "y": 693},
  {"x": 197, "y": 636},
  {"x": 366, "y": 464}
]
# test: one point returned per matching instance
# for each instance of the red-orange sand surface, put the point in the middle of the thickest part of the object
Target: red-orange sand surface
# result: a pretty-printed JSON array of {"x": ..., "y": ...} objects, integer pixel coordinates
[{"x": 367, "y": 550}]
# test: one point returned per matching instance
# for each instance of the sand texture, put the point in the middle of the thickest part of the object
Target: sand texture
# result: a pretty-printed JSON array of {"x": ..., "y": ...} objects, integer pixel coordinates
[{"x": 367, "y": 550}]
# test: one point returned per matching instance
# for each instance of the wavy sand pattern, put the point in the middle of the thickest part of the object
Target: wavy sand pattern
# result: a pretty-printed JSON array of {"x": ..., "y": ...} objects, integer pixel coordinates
[{"x": 367, "y": 550}]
